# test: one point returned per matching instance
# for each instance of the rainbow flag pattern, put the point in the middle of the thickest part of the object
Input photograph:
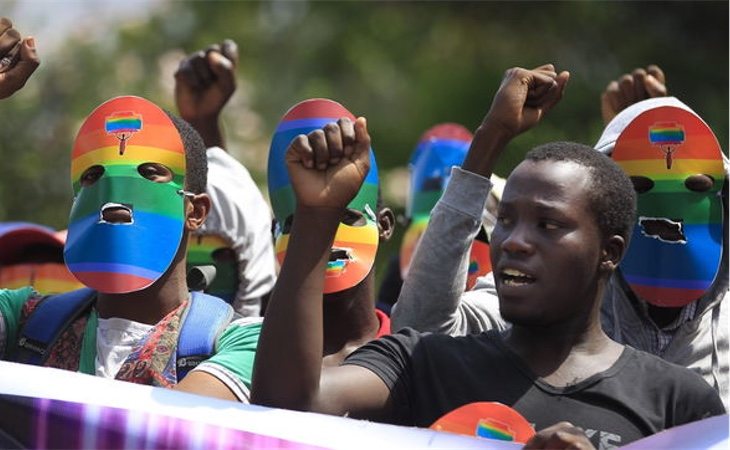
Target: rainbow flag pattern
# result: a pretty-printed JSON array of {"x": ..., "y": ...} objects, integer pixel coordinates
[
  {"x": 123, "y": 125},
  {"x": 489, "y": 420},
  {"x": 662, "y": 272},
  {"x": 46, "y": 278},
  {"x": 494, "y": 429},
  {"x": 359, "y": 243},
  {"x": 439, "y": 148},
  {"x": 213, "y": 249},
  {"x": 120, "y": 258},
  {"x": 669, "y": 133}
]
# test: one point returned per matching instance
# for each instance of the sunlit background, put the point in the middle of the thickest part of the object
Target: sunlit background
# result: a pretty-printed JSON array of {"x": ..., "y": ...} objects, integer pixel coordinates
[{"x": 403, "y": 65}]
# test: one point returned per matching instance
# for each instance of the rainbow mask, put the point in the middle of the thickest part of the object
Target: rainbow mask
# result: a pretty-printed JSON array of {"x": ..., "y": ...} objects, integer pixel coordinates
[
  {"x": 440, "y": 148},
  {"x": 31, "y": 255},
  {"x": 676, "y": 245},
  {"x": 120, "y": 135},
  {"x": 212, "y": 249},
  {"x": 354, "y": 248}
]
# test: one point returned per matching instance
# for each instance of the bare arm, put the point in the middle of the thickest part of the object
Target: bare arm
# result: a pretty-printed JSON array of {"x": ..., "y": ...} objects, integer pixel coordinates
[
  {"x": 325, "y": 174},
  {"x": 202, "y": 383}
]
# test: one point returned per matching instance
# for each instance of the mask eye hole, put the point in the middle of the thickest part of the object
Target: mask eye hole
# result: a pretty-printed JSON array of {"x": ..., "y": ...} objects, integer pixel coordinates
[
  {"x": 224, "y": 255},
  {"x": 699, "y": 182},
  {"x": 91, "y": 175},
  {"x": 353, "y": 218},
  {"x": 155, "y": 172},
  {"x": 642, "y": 184}
]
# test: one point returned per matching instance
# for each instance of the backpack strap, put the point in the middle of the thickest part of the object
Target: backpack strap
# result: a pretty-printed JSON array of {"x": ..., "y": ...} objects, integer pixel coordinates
[
  {"x": 205, "y": 320},
  {"x": 51, "y": 317}
]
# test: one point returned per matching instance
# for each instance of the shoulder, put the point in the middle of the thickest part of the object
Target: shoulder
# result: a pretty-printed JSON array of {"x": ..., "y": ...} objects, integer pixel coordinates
[{"x": 678, "y": 387}]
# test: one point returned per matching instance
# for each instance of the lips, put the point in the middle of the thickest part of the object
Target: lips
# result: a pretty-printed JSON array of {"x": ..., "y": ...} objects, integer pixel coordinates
[
  {"x": 663, "y": 229},
  {"x": 116, "y": 214},
  {"x": 514, "y": 277}
]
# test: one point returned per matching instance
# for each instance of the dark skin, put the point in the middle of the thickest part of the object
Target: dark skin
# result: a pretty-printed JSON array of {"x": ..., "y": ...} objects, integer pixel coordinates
[
  {"x": 151, "y": 304},
  {"x": 204, "y": 82},
  {"x": 324, "y": 183},
  {"x": 18, "y": 58}
]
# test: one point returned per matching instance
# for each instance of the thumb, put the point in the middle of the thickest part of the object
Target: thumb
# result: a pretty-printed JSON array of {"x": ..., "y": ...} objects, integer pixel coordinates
[{"x": 362, "y": 140}]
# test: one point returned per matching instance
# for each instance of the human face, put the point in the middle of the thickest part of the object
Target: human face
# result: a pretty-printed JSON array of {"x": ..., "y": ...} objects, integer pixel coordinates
[
  {"x": 546, "y": 245},
  {"x": 127, "y": 218}
]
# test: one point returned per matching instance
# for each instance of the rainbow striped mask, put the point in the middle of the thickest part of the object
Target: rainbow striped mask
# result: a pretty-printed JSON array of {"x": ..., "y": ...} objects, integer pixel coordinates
[
  {"x": 125, "y": 256},
  {"x": 440, "y": 148},
  {"x": 353, "y": 252},
  {"x": 30, "y": 255},
  {"x": 675, "y": 162}
]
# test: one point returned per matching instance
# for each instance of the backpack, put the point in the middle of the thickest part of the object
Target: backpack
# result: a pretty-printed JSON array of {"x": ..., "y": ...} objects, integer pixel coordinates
[{"x": 202, "y": 323}]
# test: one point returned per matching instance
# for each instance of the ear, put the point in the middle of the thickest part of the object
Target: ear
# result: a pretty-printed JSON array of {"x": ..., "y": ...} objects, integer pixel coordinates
[
  {"x": 612, "y": 253},
  {"x": 386, "y": 223},
  {"x": 196, "y": 211}
]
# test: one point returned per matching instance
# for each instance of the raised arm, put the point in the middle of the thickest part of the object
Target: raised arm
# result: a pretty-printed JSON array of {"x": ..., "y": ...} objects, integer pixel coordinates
[
  {"x": 326, "y": 172},
  {"x": 631, "y": 88},
  {"x": 18, "y": 58},
  {"x": 432, "y": 297},
  {"x": 204, "y": 82}
]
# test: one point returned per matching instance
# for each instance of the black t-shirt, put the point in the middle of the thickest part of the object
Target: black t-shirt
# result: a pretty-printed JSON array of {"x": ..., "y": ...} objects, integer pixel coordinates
[{"x": 432, "y": 374}]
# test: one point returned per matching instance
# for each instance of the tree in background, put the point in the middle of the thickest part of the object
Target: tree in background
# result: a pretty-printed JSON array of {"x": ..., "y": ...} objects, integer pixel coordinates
[{"x": 403, "y": 65}]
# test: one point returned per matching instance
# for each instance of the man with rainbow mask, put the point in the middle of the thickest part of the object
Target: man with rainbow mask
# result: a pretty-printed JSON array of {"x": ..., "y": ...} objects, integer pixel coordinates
[
  {"x": 350, "y": 317},
  {"x": 669, "y": 295},
  {"x": 138, "y": 175}
]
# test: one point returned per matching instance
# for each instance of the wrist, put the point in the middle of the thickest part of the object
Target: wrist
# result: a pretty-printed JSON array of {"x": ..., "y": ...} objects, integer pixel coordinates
[{"x": 489, "y": 141}]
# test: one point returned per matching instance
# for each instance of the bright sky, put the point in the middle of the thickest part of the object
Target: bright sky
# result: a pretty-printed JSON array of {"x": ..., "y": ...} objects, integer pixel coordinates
[{"x": 50, "y": 21}]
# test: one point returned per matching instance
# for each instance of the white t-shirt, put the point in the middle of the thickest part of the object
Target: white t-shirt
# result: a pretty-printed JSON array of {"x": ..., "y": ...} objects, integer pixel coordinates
[
  {"x": 240, "y": 214},
  {"x": 115, "y": 340}
]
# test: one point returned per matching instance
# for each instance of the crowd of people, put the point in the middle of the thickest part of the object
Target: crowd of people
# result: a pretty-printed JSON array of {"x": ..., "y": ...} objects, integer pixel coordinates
[{"x": 586, "y": 291}]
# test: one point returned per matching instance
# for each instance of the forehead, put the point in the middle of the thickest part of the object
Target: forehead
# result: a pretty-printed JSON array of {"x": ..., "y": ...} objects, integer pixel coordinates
[{"x": 552, "y": 184}]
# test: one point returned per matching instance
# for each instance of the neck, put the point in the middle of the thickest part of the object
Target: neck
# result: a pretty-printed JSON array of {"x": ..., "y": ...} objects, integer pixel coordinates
[
  {"x": 153, "y": 303},
  {"x": 567, "y": 351},
  {"x": 349, "y": 319}
]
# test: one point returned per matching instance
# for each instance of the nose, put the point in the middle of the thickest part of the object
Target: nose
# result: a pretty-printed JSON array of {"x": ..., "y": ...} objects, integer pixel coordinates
[{"x": 517, "y": 240}]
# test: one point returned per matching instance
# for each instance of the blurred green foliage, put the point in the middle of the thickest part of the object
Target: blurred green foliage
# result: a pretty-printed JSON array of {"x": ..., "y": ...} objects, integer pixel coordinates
[{"x": 404, "y": 65}]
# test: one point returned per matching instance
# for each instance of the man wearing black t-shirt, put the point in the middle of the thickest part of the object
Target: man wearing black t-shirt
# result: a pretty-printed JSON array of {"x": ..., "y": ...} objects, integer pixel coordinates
[{"x": 563, "y": 226}]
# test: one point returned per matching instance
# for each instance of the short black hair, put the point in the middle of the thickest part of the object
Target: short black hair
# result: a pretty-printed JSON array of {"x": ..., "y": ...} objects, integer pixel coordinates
[
  {"x": 611, "y": 194},
  {"x": 196, "y": 161}
]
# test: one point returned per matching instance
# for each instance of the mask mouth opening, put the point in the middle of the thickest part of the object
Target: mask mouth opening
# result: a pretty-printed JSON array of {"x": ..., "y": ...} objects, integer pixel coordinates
[
  {"x": 665, "y": 230},
  {"x": 339, "y": 258},
  {"x": 116, "y": 214}
]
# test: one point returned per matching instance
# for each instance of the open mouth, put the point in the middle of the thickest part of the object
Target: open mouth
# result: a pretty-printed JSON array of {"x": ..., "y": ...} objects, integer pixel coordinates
[
  {"x": 514, "y": 277},
  {"x": 116, "y": 213},
  {"x": 665, "y": 230}
]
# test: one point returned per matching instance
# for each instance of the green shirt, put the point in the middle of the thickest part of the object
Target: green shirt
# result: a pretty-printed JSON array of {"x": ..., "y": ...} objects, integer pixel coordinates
[{"x": 231, "y": 363}]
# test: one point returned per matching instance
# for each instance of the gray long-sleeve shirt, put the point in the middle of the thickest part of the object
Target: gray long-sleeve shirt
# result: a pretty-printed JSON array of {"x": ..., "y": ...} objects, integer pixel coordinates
[{"x": 433, "y": 297}]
